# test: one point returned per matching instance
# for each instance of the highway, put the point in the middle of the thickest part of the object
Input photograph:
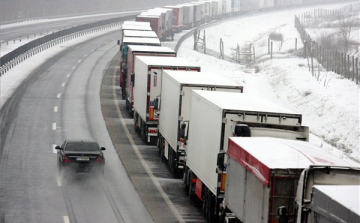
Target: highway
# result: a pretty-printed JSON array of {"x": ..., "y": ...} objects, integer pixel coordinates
[
  {"x": 10, "y": 32},
  {"x": 65, "y": 98}
]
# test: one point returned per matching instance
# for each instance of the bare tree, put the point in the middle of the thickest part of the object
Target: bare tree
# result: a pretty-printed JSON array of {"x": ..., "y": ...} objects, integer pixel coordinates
[{"x": 345, "y": 27}]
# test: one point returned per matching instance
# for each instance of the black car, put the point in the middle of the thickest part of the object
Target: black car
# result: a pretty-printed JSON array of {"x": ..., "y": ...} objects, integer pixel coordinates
[{"x": 80, "y": 156}]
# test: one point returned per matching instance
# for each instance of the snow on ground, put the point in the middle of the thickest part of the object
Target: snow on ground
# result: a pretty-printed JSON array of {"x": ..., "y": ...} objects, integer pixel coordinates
[
  {"x": 13, "y": 78},
  {"x": 331, "y": 111},
  {"x": 255, "y": 29}
]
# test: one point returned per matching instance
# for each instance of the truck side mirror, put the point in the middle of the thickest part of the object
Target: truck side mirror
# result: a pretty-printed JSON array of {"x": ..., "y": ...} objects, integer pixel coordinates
[
  {"x": 220, "y": 160},
  {"x": 156, "y": 103},
  {"x": 242, "y": 130},
  {"x": 133, "y": 80},
  {"x": 182, "y": 130}
]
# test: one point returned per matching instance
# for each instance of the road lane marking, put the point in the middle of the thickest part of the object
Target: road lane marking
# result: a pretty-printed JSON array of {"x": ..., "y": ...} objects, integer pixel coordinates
[
  {"x": 54, "y": 126},
  {"x": 86, "y": 55},
  {"x": 73, "y": 68},
  {"x": 53, "y": 148},
  {"x": 55, "y": 108},
  {"x": 68, "y": 75},
  {"x": 58, "y": 95},
  {"x": 79, "y": 61},
  {"x": 58, "y": 181},
  {"x": 63, "y": 85},
  {"x": 66, "y": 219},
  {"x": 141, "y": 159}
]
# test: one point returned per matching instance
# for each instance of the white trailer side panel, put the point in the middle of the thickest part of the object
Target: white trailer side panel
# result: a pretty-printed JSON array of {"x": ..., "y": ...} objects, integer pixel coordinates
[
  {"x": 148, "y": 74},
  {"x": 204, "y": 140},
  {"x": 169, "y": 110},
  {"x": 235, "y": 188},
  {"x": 140, "y": 87},
  {"x": 245, "y": 195},
  {"x": 173, "y": 83}
]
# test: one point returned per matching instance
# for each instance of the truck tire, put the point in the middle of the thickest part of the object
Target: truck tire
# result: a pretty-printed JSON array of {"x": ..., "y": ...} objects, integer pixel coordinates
[
  {"x": 186, "y": 179},
  {"x": 143, "y": 131},
  {"x": 136, "y": 127},
  {"x": 127, "y": 105},
  {"x": 192, "y": 195}
]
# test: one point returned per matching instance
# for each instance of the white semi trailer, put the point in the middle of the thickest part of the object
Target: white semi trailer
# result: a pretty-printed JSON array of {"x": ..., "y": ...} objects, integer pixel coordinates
[
  {"x": 216, "y": 116},
  {"x": 175, "y": 110},
  {"x": 146, "y": 83},
  {"x": 265, "y": 176}
]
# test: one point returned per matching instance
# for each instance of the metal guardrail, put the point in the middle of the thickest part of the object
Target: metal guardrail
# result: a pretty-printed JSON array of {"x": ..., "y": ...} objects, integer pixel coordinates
[{"x": 27, "y": 50}]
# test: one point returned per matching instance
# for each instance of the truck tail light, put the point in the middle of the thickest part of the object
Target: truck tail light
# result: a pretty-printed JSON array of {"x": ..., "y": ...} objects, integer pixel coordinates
[
  {"x": 152, "y": 131},
  {"x": 151, "y": 113},
  {"x": 223, "y": 181}
]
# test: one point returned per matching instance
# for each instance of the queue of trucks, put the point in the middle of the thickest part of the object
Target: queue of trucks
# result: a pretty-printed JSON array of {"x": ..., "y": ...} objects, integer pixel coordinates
[{"x": 242, "y": 157}]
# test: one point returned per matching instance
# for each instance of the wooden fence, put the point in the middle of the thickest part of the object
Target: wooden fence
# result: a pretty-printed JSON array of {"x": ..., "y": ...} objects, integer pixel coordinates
[{"x": 341, "y": 63}]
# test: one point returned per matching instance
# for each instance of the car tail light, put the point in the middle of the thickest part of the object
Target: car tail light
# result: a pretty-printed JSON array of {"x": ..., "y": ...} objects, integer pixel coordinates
[
  {"x": 99, "y": 159},
  {"x": 65, "y": 159}
]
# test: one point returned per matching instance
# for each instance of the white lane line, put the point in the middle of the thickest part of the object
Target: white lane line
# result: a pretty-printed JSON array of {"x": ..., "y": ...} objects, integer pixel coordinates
[
  {"x": 86, "y": 55},
  {"x": 73, "y": 68},
  {"x": 66, "y": 219},
  {"x": 79, "y": 61},
  {"x": 54, "y": 126},
  {"x": 93, "y": 50},
  {"x": 63, "y": 85},
  {"x": 58, "y": 181},
  {"x": 55, "y": 108},
  {"x": 143, "y": 162},
  {"x": 58, "y": 95},
  {"x": 68, "y": 75},
  {"x": 53, "y": 148}
]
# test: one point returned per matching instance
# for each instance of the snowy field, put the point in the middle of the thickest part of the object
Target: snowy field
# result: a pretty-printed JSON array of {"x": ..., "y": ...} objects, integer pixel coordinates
[
  {"x": 255, "y": 30},
  {"x": 330, "y": 105}
]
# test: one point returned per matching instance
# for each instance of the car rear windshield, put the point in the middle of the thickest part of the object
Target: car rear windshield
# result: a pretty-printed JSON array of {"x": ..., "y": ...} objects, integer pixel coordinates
[{"x": 82, "y": 146}]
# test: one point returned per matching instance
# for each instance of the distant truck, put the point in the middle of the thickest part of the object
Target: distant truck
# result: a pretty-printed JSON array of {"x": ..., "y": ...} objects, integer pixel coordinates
[
  {"x": 147, "y": 90},
  {"x": 127, "y": 41},
  {"x": 216, "y": 116},
  {"x": 177, "y": 17},
  {"x": 155, "y": 22},
  {"x": 188, "y": 13},
  {"x": 136, "y": 50},
  {"x": 267, "y": 179},
  {"x": 175, "y": 110}
]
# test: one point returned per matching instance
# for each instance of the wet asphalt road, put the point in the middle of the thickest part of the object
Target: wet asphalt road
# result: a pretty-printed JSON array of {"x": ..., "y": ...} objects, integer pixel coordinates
[{"x": 61, "y": 100}]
